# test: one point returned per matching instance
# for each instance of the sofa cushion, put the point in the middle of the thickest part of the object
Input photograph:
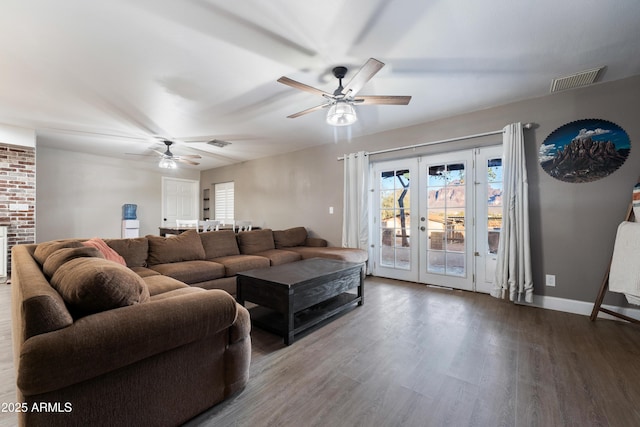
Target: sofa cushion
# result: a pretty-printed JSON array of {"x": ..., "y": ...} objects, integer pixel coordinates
[
  {"x": 252, "y": 242},
  {"x": 296, "y": 236},
  {"x": 91, "y": 285},
  {"x": 191, "y": 272},
  {"x": 106, "y": 251},
  {"x": 219, "y": 243},
  {"x": 280, "y": 256},
  {"x": 315, "y": 242},
  {"x": 160, "y": 284},
  {"x": 176, "y": 293},
  {"x": 343, "y": 254},
  {"x": 61, "y": 256},
  {"x": 133, "y": 250},
  {"x": 183, "y": 247},
  {"x": 43, "y": 250},
  {"x": 234, "y": 264},
  {"x": 144, "y": 271}
]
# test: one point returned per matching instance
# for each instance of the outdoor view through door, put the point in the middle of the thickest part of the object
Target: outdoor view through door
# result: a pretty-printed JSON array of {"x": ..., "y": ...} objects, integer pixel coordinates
[
  {"x": 395, "y": 214},
  {"x": 438, "y": 218},
  {"x": 446, "y": 214}
]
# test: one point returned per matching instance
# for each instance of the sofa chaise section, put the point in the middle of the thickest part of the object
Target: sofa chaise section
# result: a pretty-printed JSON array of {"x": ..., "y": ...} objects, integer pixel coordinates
[{"x": 297, "y": 240}]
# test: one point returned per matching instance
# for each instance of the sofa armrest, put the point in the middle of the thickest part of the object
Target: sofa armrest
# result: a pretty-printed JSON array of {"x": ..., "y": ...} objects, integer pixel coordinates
[
  {"x": 237, "y": 357},
  {"x": 315, "y": 242},
  {"x": 103, "y": 342}
]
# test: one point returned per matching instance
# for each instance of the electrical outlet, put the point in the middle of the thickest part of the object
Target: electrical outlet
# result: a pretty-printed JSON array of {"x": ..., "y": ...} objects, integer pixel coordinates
[
  {"x": 551, "y": 279},
  {"x": 330, "y": 210}
]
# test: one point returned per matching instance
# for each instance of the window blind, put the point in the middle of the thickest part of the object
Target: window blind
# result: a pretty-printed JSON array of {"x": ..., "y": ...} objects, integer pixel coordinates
[{"x": 223, "y": 200}]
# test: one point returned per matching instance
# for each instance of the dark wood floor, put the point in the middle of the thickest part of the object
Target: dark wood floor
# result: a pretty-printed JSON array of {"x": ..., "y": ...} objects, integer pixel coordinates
[{"x": 421, "y": 356}]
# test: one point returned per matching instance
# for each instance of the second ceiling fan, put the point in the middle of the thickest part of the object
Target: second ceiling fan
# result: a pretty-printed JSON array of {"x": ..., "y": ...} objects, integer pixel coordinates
[
  {"x": 341, "y": 102},
  {"x": 168, "y": 159}
]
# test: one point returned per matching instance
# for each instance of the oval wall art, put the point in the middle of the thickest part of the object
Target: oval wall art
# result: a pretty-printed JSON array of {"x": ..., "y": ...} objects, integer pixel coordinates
[{"x": 584, "y": 150}]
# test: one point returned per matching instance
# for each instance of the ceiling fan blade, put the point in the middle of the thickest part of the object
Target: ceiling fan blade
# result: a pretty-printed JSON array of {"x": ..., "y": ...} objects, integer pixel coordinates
[
  {"x": 368, "y": 70},
  {"x": 301, "y": 86},
  {"x": 189, "y": 156},
  {"x": 138, "y": 154},
  {"x": 187, "y": 161},
  {"x": 382, "y": 100},
  {"x": 308, "y": 110}
]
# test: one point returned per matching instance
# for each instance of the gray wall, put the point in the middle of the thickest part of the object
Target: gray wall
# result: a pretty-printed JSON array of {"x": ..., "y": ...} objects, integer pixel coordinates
[
  {"x": 572, "y": 225},
  {"x": 81, "y": 195}
]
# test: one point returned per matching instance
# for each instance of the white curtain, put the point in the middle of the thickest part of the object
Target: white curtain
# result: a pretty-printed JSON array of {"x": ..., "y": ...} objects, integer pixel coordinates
[
  {"x": 355, "y": 220},
  {"x": 513, "y": 269}
]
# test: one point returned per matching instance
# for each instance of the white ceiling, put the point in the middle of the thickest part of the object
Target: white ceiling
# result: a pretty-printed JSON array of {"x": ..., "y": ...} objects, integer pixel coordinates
[{"x": 103, "y": 76}]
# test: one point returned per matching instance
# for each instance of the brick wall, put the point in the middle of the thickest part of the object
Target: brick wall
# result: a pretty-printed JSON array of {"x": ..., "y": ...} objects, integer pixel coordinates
[{"x": 18, "y": 186}]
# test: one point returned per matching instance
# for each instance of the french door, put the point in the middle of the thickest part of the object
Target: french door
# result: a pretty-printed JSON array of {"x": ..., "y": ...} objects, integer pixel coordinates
[
  {"x": 488, "y": 214},
  {"x": 436, "y": 219},
  {"x": 446, "y": 220},
  {"x": 393, "y": 224}
]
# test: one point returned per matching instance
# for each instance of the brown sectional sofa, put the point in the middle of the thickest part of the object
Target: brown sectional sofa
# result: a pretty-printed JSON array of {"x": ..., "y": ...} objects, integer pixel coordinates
[{"x": 152, "y": 344}]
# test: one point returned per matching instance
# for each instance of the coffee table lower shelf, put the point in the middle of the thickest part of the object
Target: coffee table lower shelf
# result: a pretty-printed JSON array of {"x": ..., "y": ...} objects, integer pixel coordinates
[{"x": 275, "y": 322}]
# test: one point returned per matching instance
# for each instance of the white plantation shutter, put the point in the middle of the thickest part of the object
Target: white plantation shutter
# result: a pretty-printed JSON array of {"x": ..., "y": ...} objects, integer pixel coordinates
[{"x": 223, "y": 200}]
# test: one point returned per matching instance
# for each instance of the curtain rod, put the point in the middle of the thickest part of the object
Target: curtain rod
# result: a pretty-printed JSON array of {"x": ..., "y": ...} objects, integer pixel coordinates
[{"x": 459, "y": 138}]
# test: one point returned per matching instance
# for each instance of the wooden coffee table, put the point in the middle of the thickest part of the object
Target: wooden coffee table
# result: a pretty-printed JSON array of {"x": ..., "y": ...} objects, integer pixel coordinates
[{"x": 294, "y": 297}]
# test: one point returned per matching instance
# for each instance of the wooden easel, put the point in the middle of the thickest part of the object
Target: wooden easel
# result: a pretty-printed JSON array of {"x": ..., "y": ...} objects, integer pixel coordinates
[{"x": 605, "y": 287}]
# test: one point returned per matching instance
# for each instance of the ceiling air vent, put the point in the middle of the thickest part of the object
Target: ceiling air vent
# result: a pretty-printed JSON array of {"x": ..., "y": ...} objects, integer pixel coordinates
[
  {"x": 218, "y": 143},
  {"x": 583, "y": 78}
]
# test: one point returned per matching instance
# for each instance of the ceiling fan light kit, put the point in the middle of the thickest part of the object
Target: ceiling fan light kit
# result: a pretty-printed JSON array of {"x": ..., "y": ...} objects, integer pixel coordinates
[
  {"x": 167, "y": 163},
  {"x": 341, "y": 113},
  {"x": 168, "y": 160},
  {"x": 341, "y": 102}
]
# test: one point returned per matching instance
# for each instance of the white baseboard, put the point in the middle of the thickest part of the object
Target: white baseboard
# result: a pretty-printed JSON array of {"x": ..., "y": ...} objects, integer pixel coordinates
[{"x": 581, "y": 307}]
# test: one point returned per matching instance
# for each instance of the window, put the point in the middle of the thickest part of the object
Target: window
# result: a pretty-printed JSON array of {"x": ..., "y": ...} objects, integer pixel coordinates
[{"x": 223, "y": 201}]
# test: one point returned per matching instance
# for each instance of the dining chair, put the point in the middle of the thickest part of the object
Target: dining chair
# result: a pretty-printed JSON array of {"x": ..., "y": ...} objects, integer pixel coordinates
[
  {"x": 187, "y": 223},
  {"x": 243, "y": 225},
  {"x": 210, "y": 225}
]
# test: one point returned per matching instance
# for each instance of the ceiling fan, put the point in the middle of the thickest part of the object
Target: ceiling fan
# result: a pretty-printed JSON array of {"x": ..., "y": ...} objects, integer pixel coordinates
[
  {"x": 168, "y": 159},
  {"x": 341, "y": 103}
]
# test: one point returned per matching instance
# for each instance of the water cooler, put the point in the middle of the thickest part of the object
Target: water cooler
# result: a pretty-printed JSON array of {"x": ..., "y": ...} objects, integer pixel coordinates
[{"x": 130, "y": 223}]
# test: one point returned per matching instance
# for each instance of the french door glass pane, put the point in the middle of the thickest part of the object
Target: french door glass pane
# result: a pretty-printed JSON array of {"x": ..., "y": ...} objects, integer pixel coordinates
[
  {"x": 455, "y": 264},
  {"x": 395, "y": 219},
  {"x": 446, "y": 202},
  {"x": 494, "y": 201},
  {"x": 435, "y": 262}
]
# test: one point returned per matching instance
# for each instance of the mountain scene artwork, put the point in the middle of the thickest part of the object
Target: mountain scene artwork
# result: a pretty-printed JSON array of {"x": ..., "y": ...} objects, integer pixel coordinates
[{"x": 584, "y": 150}]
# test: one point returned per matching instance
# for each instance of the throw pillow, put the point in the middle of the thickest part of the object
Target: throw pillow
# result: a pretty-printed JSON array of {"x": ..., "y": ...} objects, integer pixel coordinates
[
  {"x": 252, "y": 242},
  {"x": 290, "y": 238},
  {"x": 183, "y": 247},
  {"x": 133, "y": 250},
  {"x": 106, "y": 251},
  {"x": 61, "y": 256},
  {"x": 92, "y": 285},
  {"x": 219, "y": 243},
  {"x": 43, "y": 250}
]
